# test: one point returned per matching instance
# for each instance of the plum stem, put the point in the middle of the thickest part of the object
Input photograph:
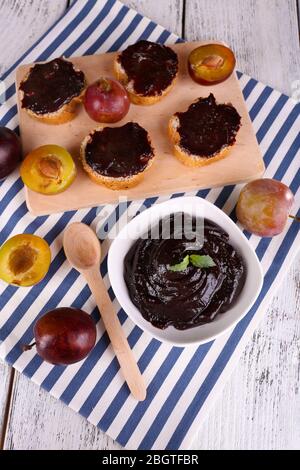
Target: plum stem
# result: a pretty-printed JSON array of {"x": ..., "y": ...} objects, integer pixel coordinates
[
  {"x": 297, "y": 219},
  {"x": 104, "y": 84},
  {"x": 27, "y": 347}
]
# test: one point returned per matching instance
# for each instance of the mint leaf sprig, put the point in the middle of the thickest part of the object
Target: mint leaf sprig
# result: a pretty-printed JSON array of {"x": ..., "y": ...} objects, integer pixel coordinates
[
  {"x": 180, "y": 266},
  {"x": 202, "y": 261},
  {"x": 198, "y": 261}
]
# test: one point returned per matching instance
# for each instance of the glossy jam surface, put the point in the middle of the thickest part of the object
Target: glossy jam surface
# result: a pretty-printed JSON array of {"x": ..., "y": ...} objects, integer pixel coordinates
[
  {"x": 193, "y": 296},
  {"x": 119, "y": 151},
  {"x": 207, "y": 127},
  {"x": 151, "y": 66},
  {"x": 50, "y": 86}
]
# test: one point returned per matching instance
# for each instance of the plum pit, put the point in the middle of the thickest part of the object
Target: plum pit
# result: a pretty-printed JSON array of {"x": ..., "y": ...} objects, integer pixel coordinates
[
  {"x": 211, "y": 64},
  {"x": 50, "y": 167}
]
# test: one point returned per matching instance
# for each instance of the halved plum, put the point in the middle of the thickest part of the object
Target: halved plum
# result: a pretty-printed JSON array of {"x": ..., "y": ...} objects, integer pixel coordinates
[
  {"x": 49, "y": 169},
  {"x": 211, "y": 64},
  {"x": 24, "y": 260}
]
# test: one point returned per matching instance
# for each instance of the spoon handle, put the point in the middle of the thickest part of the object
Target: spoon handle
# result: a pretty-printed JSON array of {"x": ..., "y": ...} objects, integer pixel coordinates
[{"x": 119, "y": 342}]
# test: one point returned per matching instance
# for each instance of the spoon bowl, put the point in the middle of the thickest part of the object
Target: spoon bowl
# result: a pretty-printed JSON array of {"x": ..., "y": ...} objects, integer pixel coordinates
[{"x": 82, "y": 247}]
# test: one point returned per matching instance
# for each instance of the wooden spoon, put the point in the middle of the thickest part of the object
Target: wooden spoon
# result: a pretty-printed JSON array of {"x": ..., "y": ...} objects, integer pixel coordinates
[{"x": 82, "y": 249}]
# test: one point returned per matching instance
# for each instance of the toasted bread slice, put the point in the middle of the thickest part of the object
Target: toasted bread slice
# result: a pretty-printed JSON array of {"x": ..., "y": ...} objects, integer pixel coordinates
[
  {"x": 185, "y": 157},
  {"x": 112, "y": 182},
  {"x": 135, "y": 97},
  {"x": 147, "y": 70},
  {"x": 205, "y": 132},
  {"x": 63, "y": 114}
]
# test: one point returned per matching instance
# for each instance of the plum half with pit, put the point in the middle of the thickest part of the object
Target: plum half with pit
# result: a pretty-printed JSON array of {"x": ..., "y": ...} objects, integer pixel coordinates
[
  {"x": 263, "y": 207},
  {"x": 64, "y": 336},
  {"x": 24, "y": 260},
  {"x": 211, "y": 64},
  {"x": 10, "y": 151},
  {"x": 49, "y": 169}
]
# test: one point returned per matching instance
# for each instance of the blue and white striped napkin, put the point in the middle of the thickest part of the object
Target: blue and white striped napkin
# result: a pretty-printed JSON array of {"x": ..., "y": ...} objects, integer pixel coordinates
[{"x": 182, "y": 383}]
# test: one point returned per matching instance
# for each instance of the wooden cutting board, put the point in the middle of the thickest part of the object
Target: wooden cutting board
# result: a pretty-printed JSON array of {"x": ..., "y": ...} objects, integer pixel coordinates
[{"x": 167, "y": 175}]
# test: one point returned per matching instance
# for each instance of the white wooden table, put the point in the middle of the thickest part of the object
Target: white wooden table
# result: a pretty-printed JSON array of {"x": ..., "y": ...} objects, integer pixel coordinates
[{"x": 260, "y": 406}]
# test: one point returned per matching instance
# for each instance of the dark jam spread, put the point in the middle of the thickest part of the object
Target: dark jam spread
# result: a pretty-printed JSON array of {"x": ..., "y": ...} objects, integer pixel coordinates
[
  {"x": 151, "y": 66},
  {"x": 50, "y": 86},
  {"x": 119, "y": 151},
  {"x": 190, "y": 297},
  {"x": 207, "y": 127}
]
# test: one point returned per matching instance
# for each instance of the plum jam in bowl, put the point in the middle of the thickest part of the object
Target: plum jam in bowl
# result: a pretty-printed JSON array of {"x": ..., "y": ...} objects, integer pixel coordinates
[{"x": 184, "y": 272}]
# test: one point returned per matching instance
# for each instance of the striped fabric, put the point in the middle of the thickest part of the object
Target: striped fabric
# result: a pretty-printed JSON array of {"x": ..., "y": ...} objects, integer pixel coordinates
[{"x": 182, "y": 382}]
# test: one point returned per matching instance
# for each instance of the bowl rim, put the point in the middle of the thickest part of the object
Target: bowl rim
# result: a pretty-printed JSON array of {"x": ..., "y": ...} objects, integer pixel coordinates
[{"x": 125, "y": 304}]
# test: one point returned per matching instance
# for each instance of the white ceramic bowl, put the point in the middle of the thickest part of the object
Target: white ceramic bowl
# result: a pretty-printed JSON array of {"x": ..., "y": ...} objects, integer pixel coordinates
[{"x": 201, "y": 208}]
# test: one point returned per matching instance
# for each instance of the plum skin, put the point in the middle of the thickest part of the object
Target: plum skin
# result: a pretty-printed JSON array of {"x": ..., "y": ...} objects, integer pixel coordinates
[
  {"x": 10, "y": 151},
  {"x": 263, "y": 207},
  {"x": 65, "y": 335},
  {"x": 106, "y": 101}
]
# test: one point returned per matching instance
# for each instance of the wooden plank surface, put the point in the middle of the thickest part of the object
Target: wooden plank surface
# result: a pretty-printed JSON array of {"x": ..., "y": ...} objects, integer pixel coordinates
[
  {"x": 25, "y": 22},
  {"x": 6, "y": 380},
  {"x": 263, "y": 33},
  {"x": 260, "y": 405}
]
